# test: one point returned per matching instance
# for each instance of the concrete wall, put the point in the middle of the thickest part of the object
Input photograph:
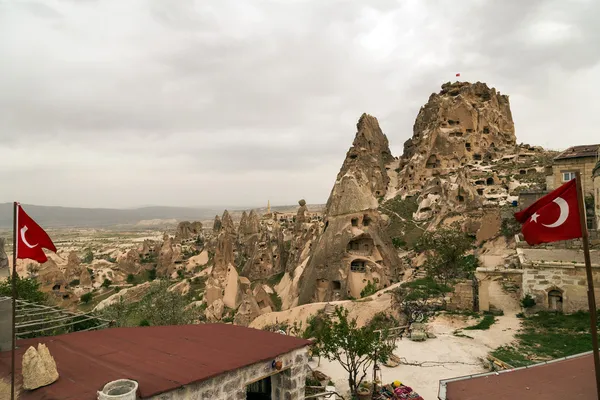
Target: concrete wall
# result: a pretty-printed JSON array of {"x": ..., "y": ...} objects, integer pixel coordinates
[
  {"x": 571, "y": 280},
  {"x": 585, "y": 165},
  {"x": 287, "y": 384},
  {"x": 6, "y": 324}
]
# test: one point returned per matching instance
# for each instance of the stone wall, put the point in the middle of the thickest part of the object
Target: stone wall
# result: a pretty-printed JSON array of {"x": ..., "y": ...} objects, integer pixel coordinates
[
  {"x": 287, "y": 384},
  {"x": 499, "y": 289},
  {"x": 462, "y": 297},
  {"x": 569, "y": 280},
  {"x": 585, "y": 165}
]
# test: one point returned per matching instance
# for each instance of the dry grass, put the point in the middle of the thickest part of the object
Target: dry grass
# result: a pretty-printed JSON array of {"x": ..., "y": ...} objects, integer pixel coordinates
[{"x": 5, "y": 390}]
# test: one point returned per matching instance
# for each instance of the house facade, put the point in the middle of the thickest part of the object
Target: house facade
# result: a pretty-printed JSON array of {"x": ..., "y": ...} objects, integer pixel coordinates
[{"x": 577, "y": 158}]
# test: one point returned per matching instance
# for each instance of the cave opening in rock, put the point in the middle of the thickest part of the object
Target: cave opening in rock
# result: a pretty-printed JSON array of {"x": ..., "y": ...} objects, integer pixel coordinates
[
  {"x": 358, "y": 266},
  {"x": 477, "y": 157},
  {"x": 489, "y": 181},
  {"x": 354, "y": 221},
  {"x": 366, "y": 220},
  {"x": 486, "y": 129}
]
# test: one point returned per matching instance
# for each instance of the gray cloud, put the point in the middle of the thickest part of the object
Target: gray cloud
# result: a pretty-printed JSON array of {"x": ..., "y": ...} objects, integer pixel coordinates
[{"x": 111, "y": 103}]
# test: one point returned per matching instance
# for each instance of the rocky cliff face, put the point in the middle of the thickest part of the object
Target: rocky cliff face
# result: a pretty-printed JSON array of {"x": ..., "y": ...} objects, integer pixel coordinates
[
  {"x": 462, "y": 157},
  {"x": 188, "y": 230},
  {"x": 354, "y": 248}
]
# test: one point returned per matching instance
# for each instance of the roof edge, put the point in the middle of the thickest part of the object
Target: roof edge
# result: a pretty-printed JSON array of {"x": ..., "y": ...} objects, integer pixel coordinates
[{"x": 444, "y": 382}]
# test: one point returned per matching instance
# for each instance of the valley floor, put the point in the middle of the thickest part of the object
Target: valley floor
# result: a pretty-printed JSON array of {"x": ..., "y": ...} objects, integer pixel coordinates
[{"x": 446, "y": 356}]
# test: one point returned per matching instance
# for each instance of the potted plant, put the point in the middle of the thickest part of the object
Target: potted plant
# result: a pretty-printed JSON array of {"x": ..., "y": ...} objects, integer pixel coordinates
[{"x": 364, "y": 391}]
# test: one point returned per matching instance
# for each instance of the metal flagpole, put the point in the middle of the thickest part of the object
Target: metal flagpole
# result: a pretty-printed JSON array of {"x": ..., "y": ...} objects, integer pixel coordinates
[
  {"x": 14, "y": 301},
  {"x": 590, "y": 281}
]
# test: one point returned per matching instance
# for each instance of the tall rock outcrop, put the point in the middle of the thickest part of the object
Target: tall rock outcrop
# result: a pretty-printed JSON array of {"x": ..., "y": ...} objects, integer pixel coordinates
[
  {"x": 449, "y": 163},
  {"x": 188, "y": 230},
  {"x": 354, "y": 247}
]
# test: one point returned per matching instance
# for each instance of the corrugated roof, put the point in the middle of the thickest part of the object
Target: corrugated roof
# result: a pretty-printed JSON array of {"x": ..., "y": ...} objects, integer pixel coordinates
[
  {"x": 588, "y": 150},
  {"x": 160, "y": 358},
  {"x": 573, "y": 378}
]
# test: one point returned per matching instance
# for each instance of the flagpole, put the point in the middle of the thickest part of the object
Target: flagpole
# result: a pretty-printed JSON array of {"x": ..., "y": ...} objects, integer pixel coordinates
[
  {"x": 590, "y": 281},
  {"x": 14, "y": 300}
]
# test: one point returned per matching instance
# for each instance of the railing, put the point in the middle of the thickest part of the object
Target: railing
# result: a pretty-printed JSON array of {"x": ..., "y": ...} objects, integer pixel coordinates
[{"x": 35, "y": 320}]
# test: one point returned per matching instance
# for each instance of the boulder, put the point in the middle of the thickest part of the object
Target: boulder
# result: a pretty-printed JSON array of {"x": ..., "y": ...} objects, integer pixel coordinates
[{"x": 38, "y": 368}]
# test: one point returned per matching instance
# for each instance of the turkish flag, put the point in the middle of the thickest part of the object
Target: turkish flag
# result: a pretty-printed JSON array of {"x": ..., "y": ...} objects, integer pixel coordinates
[
  {"x": 31, "y": 238},
  {"x": 552, "y": 218},
  {"x": 458, "y": 74}
]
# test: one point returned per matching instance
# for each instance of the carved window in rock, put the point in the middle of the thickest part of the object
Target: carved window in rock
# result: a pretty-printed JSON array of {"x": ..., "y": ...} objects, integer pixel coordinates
[
  {"x": 486, "y": 129},
  {"x": 358, "y": 266},
  {"x": 366, "y": 220},
  {"x": 336, "y": 285},
  {"x": 480, "y": 191},
  {"x": 432, "y": 162},
  {"x": 56, "y": 287},
  {"x": 468, "y": 146},
  {"x": 477, "y": 157},
  {"x": 489, "y": 181},
  {"x": 354, "y": 221},
  {"x": 460, "y": 198}
]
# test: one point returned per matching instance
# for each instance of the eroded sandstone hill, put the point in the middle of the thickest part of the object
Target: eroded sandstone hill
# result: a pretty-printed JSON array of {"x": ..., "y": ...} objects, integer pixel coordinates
[
  {"x": 354, "y": 249},
  {"x": 462, "y": 160}
]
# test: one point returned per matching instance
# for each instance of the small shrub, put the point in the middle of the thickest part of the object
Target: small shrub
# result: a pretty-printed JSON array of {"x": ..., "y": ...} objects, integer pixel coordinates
[
  {"x": 106, "y": 283},
  {"x": 144, "y": 322},
  {"x": 86, "y": 298},
  {"x": 368, "y": 290},
  {"x": 74, "y": 282},
  {"x": 527, "y": 301},
  {"x": 180, "y": 274},
  {"x": 130, "y": 278},
  {"x": 88, "y": 257},
  {"x": 485, "y": 323},
  {"x": 152, "y": 274}
]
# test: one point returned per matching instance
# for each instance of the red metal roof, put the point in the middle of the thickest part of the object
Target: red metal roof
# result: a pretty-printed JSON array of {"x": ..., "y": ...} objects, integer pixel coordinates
[
  {"x": 571, "y": 378},
  {"x": 588, "y": 150},
  {"x": 159, "y": 358}
]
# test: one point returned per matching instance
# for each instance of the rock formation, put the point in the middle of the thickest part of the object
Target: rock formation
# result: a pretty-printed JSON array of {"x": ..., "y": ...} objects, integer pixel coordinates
[
  {"x": 456, "y": 136},
  {"x": 354, "y": 247},
  {"x": 38, "y": 368},
  {"x": 217, "y": 224},
  {"x": 301, "y": 217},
  {"x": 130, "y": 263},
  {"x": 188, "y": 230},
  {"x": 73, "y": 267},
  {"x": 167, "y": 256},
  {"x": 3, "y": 256}
]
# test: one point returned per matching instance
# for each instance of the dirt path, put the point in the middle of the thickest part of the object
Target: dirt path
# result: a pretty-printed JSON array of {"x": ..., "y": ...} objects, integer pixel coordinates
[{"x": 446, "y": 356}]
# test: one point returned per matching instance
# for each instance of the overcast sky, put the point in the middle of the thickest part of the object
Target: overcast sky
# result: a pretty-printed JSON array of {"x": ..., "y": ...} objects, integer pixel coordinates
[{"x": 122, "y": 103}]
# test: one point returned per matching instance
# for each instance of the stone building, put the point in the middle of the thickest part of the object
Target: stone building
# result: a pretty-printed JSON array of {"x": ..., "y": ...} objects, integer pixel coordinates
[
  {"x": 577, "y": 158},
  {"x": 208, "y": 361},
  {"x": 556, "y": 278}
]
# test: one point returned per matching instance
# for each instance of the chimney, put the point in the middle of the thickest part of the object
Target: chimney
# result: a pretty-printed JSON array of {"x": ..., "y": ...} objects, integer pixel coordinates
[{"x": 5, "y": 324}]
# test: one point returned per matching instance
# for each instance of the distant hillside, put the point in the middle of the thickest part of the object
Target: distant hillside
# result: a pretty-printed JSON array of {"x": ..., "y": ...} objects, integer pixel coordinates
[{"x": 56, "y": 217}]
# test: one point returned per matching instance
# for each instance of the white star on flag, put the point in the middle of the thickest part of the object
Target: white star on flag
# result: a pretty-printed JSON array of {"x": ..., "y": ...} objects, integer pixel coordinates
[{"x": 534, "y": 216}]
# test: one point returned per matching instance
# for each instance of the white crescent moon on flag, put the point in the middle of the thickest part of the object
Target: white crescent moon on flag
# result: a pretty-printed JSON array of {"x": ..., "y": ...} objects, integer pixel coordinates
[
  {"x": 23, "y": 230},
  {"x": 564, "y": 213}
]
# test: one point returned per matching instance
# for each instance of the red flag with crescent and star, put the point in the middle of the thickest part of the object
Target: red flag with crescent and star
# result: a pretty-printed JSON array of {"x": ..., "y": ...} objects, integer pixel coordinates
[
  {"x": 552, "y": 218},
  {"x": 31, "y": 238}
]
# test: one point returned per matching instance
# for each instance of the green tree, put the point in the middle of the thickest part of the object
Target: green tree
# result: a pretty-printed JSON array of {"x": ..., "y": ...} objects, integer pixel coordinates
[
  {"x": 88, "y": 257},
  {"x": 340, "y": 339},
  {"x": 106, "y": 283},
  {"x": 163, "y": 307},
  {"x": 445, "y": 249},
  {"x": 86, "y": 298},
  {"x": 28, "y": 289}
]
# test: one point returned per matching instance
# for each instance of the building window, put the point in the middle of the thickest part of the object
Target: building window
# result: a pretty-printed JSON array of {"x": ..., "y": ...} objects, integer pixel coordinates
[{"x": 567, "y": 176}]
